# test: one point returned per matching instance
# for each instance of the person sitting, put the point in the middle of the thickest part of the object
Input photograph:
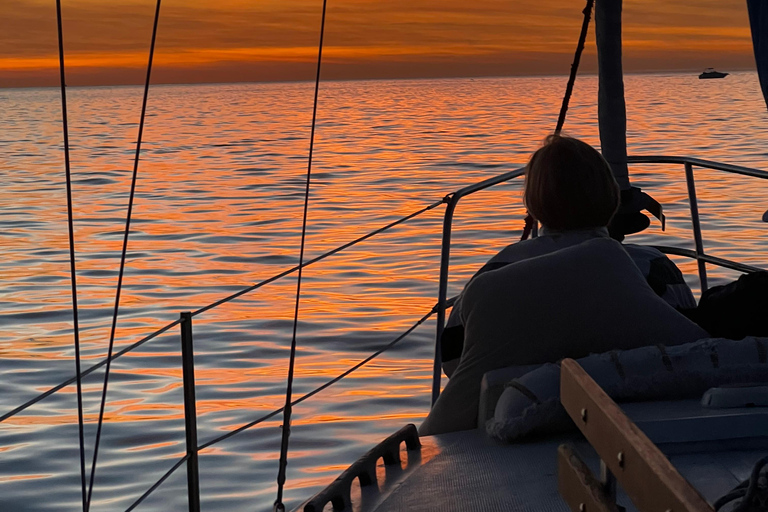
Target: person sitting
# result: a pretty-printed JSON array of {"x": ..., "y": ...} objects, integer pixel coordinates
[
  {"x": 659, "y": 271},
  {"x": 573, "y": 292}
]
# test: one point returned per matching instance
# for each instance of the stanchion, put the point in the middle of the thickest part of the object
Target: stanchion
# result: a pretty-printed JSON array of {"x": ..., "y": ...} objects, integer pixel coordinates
[{"x": 190, "y": 411}]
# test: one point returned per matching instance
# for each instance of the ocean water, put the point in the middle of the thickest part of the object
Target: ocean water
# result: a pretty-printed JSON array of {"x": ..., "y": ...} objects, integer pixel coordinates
[{"x": 218, "y": 207}]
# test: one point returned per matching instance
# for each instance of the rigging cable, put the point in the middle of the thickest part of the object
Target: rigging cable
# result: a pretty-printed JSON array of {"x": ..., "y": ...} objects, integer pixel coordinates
[
  {"x": 122, "y": 257},
  {"x": 529, "y": 220},
  {"x": 149, "y": 337},
  {"x": 279, "y": 506},
  {"x": 72, "y": 268},
  {"x": 266, "y": 417},
  {"x": 575, "y": 66}
]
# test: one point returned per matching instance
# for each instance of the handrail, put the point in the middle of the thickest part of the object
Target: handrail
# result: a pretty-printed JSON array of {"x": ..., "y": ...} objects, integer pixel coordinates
[
  {"x": 319, "y": 258},
  {"x": 451, "y": 201},
  {"x": 192, "y": 454},
  {"x": 326, "y": 385},
  {"x": 87, "y": 372},
  {"x": 702, "y": 258},
  {"x": 698, "y": 162},
  {"x": 199, "y": 311},
  {"x": 645, "y": 474},
  {"x": 720, "y": 262},
  {"x": 158, "y": 483}
]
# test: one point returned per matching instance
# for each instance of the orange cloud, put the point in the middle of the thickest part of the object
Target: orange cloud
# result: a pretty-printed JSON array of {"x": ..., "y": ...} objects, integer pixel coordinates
[{"x": 277, "y": 39}]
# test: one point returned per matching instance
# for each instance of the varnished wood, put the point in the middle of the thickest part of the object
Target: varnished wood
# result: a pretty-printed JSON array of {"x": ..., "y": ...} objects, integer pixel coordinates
[
  {"x": 578, "y": 486},
  {"x": 646, "y": 475}
]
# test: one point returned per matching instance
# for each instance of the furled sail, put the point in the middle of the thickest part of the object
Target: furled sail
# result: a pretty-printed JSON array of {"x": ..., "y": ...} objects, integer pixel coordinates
[{"x": 758, "y": 19}]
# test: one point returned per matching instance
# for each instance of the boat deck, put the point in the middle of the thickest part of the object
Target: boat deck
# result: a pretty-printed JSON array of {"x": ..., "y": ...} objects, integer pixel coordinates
[{"x": 714, "y": 449}]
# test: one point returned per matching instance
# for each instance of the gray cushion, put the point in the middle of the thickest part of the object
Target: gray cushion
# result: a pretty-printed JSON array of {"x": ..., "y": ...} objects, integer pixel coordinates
[{"x": 531, "y": 403}]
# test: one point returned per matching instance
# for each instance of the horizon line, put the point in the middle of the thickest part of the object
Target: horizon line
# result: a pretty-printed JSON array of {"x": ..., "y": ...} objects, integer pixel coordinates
[{"x": 460, "y": 77}]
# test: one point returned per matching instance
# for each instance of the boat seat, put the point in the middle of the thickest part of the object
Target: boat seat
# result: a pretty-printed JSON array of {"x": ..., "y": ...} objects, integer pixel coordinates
[{"x": 492, "y": 386}]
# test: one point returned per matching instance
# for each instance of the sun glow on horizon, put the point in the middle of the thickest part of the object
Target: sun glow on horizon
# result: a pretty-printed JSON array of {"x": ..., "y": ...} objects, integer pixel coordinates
[{"x": 270, "y": 40}]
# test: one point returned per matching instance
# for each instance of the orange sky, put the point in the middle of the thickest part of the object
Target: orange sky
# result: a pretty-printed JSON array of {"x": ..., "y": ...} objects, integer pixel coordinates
[{"x": 255, "y": 40}]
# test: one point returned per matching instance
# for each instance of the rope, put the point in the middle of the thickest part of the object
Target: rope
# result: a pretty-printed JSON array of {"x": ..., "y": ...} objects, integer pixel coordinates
[
  {"x": 324, "y": 386},
  {"x": 158, "y": 483},
  {"x": 752, "y": 492},
  {"x": 72, "y": 268},
  {"x": 318, "y": 258},
  {"x": 255, "y": 286},
  {"x": 575, "y": 66},
  {"x": 123, "y": 255},
  {"x": 278, "y": 411},
  {"x": 292, "y": 362},
  {"x": 529, "y": 220},
  {"x": 59, "y": 387}
]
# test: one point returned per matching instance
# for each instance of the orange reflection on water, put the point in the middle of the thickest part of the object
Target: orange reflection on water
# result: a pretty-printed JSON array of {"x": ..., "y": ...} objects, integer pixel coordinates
[{"x": 218, "y": 208}]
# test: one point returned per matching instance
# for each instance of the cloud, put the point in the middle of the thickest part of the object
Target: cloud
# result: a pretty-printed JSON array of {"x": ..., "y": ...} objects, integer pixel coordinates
[{"x": 105, "y": 39}]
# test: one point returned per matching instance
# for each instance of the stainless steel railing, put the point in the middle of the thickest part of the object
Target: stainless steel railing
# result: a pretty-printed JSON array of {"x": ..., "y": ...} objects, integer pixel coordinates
[
  {"x": 699, "y": 255},
  {"x": 193, "y": 447}
]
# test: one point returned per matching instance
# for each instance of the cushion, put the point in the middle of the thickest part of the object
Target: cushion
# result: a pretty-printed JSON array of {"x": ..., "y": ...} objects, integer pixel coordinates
[{"x": 531, "y": 403}]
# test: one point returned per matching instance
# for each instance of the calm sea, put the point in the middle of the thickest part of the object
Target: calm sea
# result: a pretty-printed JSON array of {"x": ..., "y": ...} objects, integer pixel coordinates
[{"x": 218, "y": 207}]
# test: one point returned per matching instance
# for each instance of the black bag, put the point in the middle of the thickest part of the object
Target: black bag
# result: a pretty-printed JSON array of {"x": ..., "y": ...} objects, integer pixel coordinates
[{"x": 736, "y": 310}]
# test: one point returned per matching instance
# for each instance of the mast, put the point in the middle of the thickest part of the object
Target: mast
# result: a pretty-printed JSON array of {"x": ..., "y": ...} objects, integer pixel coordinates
[
  {"x": 612, "y": 120},
  {"x": 758, "y": 20},
  {"x": 611, "y": 108}
]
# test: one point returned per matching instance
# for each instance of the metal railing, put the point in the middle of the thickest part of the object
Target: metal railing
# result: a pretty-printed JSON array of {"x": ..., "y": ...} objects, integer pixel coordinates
[
  {"x": 193, "y": 447},
  {"x": 699, "y": 255}
]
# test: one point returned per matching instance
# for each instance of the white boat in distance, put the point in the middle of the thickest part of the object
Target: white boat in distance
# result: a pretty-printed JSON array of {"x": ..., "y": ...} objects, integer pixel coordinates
[{"x": 670, "y": 453}]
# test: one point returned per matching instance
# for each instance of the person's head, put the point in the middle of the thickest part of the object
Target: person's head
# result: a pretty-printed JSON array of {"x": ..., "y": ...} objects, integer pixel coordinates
[{"x": 569, "y": 185}]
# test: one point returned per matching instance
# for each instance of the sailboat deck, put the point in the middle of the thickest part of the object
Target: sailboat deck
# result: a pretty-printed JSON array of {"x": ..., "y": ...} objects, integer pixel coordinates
[{"x": 470, "y": 471}]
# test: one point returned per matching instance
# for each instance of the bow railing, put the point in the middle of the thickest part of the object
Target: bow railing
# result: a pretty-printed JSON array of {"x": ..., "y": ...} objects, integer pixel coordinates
[{"x": 184, "y": 322}]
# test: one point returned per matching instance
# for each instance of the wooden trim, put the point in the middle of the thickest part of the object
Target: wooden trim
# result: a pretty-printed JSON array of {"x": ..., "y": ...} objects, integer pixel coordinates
[
  {"x": 578, "y": 486},
  {"x": 646, "y": 475}
]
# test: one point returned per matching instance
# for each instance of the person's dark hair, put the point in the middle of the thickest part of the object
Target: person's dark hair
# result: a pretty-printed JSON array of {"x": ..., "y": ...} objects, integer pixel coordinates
[{"x": 569, "y": 185}]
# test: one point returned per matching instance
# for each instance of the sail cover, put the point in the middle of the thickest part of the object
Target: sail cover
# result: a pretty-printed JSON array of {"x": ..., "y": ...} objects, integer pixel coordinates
[{"x": 758, "y": 19}]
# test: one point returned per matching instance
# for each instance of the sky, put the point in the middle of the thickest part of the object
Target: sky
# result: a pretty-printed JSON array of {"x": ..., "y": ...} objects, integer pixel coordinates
[{"x": 202, "y": 41}]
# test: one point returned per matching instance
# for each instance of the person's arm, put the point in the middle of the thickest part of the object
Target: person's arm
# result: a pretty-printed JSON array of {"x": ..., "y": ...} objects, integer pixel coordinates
[{"x": 452, "y": 339}]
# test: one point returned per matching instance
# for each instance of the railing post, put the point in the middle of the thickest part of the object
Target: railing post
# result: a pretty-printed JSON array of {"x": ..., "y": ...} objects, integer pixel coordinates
[
  {"x": 442, "y": 293},
  {"x": 190, "y": 411},
  {"x": 696, "y": 225}
]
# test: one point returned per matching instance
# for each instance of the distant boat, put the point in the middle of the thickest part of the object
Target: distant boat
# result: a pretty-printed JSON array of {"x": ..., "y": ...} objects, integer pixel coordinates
[{"x": 711, "y": 73}]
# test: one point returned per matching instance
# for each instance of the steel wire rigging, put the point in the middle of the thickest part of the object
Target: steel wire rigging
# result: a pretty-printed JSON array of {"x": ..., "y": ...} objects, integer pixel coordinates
[
  {"x": 288, "y": 408},
  {"x": 134, "y": 177},
  {"x": 274, "y": 413},
  {"x": 530, "y": 222},
  {"x": 165, "y": 328},
  {"x": 574, "y": 66},
  {"x": 72, "y": 265}
]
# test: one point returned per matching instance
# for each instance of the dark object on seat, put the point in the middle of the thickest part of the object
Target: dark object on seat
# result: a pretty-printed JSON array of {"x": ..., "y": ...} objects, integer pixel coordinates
[
  {"x": 752, "y": 493},
  {"x": 629, "y": 219},
  {"x": 735, "y": 310},
  {"x": 451, "y": 343}
]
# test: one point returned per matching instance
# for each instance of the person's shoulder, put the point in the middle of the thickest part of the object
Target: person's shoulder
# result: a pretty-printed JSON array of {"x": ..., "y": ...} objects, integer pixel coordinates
[
  {"x": 522, "y": 250},
  {"x": 643, "y": 251}
]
